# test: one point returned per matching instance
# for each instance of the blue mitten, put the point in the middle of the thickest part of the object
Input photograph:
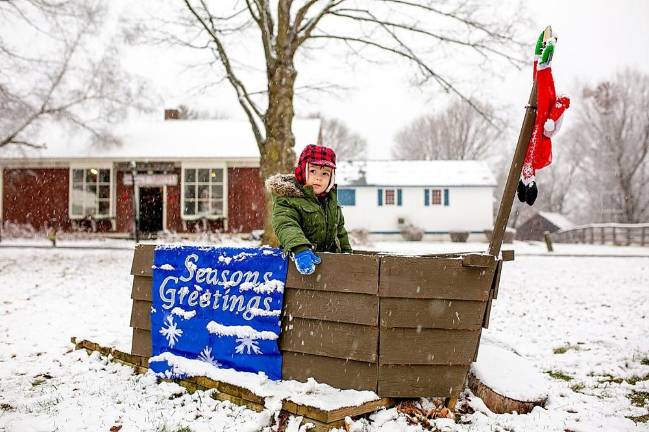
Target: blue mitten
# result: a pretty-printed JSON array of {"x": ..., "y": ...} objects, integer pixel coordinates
[{"x": 306, "y": 261}]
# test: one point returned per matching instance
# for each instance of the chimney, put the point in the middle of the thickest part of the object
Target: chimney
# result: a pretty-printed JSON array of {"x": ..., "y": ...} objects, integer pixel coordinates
[{"x": 172, "y": 114}]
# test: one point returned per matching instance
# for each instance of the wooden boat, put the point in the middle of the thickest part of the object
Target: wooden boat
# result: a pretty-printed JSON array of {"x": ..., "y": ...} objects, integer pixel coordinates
[{"x": 402, "y": 326}]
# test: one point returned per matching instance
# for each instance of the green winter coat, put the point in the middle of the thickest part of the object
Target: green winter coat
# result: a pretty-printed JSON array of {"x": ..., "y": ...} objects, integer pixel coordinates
[{"x": 301, "y": 222}]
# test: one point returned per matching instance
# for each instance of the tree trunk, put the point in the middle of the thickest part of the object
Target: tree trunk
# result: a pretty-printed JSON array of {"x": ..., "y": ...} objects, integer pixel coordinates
[{"x": 276, "y": 153}]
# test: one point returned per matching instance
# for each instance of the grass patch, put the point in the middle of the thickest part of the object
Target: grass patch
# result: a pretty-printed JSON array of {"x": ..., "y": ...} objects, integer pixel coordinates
[
  {"x": 559, "y": 375},
  {"x": 38, "y": 382},
  {"x": 631, "y": 380},
  {"x": 639, "y": 398},
  {"x": 636, "y": 379},
  {"x": 565, "y": 348},
  {"x": 577, "y": 388},
  {"x": 6, "y": 407},
  {"x": 640, "y": 419},
  {"x": 180, "y": 429},
  {"x": 645, "y": 361},
  {"x": 611, "y": 379}
]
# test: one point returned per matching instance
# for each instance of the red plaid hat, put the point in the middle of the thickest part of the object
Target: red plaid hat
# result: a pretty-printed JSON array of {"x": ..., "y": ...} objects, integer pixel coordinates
[{"x": 316, "y": 155}]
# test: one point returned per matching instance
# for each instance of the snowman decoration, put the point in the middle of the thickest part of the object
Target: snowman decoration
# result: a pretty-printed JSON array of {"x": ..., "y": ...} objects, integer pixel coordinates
[{"x": 549, "y": 116}]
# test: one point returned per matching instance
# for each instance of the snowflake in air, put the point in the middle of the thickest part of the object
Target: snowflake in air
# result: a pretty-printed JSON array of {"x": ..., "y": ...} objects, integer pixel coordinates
[
  {"x": 206, "y": 356},
  {"x": 249, "y": 344},
  {"x": 171, "y": 331}
]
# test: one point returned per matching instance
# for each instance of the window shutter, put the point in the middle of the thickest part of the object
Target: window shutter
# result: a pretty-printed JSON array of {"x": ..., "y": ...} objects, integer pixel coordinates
[
  {"x": 426, "y": 197},
  {"x": 446, "y": 197},
  {"x": 399, "y": 198},
  {"x": 380, "y": 197}
]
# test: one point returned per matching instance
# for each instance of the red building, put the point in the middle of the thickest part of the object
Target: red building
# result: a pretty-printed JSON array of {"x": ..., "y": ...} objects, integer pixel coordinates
[{"x": 189, "y": 175}]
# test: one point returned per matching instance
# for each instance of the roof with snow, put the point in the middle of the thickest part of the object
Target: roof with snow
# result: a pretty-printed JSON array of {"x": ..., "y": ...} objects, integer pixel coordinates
[
  {"x": 557, "y": 219},
  {"x": 162, "y": 140},
  {"x": 414, "y": 173}
]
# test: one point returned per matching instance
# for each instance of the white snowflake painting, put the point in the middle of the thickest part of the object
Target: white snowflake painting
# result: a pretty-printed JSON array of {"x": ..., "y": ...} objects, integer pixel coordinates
[
  {"x": 171, "y": 331},
  {"x": 206, "y": 356},
  {"x": 249, "y": 344}
]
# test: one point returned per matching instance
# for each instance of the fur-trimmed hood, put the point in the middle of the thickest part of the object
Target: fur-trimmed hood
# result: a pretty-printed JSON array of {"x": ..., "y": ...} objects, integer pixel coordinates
[{"x": 284, "y": 185}]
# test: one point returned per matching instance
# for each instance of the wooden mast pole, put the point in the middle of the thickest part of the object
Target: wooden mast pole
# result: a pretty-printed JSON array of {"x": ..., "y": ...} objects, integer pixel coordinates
[{"x": 507, "y": 199}]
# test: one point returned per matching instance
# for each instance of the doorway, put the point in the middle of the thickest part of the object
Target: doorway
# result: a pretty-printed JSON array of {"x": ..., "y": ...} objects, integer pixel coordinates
[{"x": 151, "y": 206}]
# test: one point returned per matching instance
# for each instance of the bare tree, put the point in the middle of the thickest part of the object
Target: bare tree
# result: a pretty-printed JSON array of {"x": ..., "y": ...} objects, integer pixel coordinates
[
  {"x": 459, "y": 132},
  {"x": 348, "y": 144},
  {"x": 612, "y": 128},
  {"x": 412, "y": 31},
  {"x": 61, "y": 75}
]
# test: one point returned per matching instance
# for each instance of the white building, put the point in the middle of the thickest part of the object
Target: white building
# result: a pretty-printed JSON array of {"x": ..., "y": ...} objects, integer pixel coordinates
[{"x": 437, "y": 196}]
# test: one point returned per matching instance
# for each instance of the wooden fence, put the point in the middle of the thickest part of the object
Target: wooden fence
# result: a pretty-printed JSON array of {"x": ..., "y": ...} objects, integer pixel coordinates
[{"x": 609, "y": 233}]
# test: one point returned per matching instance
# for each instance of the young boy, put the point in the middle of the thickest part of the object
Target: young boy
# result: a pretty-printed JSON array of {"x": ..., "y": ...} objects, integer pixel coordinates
[{"x": 306, "y": 214}]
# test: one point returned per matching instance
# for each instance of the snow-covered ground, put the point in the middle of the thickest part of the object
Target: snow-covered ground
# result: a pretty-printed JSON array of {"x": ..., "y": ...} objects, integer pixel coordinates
[{"x": 581, "y": 319}]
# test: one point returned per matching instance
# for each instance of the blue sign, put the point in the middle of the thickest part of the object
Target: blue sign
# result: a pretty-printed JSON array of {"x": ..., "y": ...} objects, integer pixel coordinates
[{"x": 218, "y": 305}]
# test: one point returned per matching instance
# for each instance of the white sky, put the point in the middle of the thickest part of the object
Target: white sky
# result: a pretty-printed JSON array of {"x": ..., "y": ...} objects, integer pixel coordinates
[{"x": 596, "y": 39}]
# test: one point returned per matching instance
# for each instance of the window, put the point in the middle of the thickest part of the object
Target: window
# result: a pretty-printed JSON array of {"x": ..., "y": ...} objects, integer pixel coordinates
[
  {"x": 202, "y": 192},
  {"x": 387, "y": 197},
  {"x": 91, "y": 193},
  {"x": 347, "y": 197},
  {"x": 434, "y": 197}
]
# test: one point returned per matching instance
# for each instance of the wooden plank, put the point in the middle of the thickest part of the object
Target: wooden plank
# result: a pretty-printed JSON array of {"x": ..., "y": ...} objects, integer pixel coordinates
[
  {"x": 141, "y": 288},
  {"x": 323, "y": 420},
  {"x": 304, "y": 410},
  {"x": 318, "y": 426},
  {"x": 478, "y": 260},
  {"x": 447, "y": 278},
  {"x": 337, "y": 414},
  {"x": 367, "y": 407},
  {"x": 477, "y": 347},
  {"x": 141, "y": 314},
  {"x": 496, "y": 282},
  {"x": 330, "y": 339},
  {"x": 487, "y": 315},
  {"x": 238, "y": 401},
  {"x": 142, "y": 260},
  {"x": 332, "y": 306},
  {"x": 431, "y": 313},
  {"x": 141, "y": 342},
  {"x": 241, "y": 392},
  {"x": 427, "y": 346},
  {"x": 343, "y": 374},
  {"x": 133, "y": 359},
  {"x": 341, "y": 273},
  {"x": 418, "y": 380},
  {"x": 507, "y": 255}
]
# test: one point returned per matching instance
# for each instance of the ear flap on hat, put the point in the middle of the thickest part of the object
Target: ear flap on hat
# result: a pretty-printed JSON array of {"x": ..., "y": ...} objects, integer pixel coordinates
[{"x": 332, "y": 180}]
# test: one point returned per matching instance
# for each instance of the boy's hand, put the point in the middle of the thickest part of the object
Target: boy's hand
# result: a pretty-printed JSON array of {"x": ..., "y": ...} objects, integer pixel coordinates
[{"x": 306, "y": 261}]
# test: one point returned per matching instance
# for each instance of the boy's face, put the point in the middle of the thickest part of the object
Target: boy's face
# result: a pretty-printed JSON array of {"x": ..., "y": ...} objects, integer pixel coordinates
[{"x": 318, "y": 178}]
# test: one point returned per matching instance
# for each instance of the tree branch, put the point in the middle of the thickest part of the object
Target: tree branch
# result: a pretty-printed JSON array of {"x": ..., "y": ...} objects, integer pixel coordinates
[
  {"x": 446, "y": 85},
  {"x": 477, "y": 46},
  {"x": 311, "y": 24},
  {"x": 454, "y": 16},
  {"x": 245, "y": 101}
]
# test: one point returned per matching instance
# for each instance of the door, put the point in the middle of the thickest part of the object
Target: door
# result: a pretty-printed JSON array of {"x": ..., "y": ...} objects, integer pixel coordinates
[{"x": 151, "y": 209}]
